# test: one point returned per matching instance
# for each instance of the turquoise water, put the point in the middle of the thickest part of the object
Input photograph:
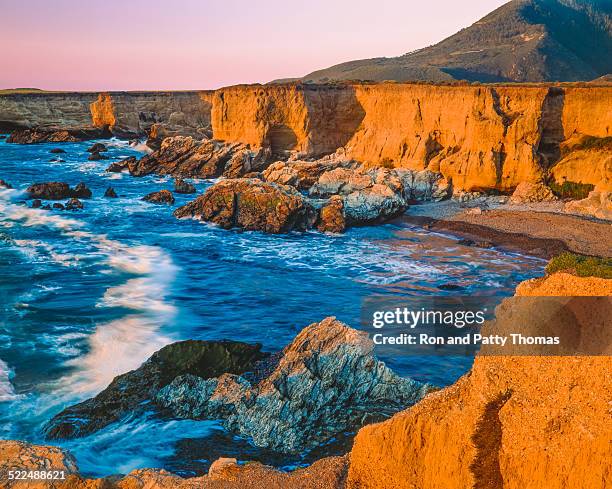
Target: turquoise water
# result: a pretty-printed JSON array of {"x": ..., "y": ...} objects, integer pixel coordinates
[{"x": 87, "y": 295}]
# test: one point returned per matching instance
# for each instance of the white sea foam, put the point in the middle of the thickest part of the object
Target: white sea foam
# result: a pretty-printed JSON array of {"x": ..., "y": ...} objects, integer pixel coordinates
[{"x": 7, "y": 392}]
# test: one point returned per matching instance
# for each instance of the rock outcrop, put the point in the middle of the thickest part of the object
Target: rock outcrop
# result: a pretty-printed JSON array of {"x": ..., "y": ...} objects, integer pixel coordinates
[
  {"x": 128, "y": 393},
  {"x": 513, "y": 421},
  {"x": 326, "y": 382},
  {"x": 160, "y": 197},
  {"x": 597, "y": 204},
  {"x": 252, "y": 205},
  {"x": 526, "y": 193},
  {"x": 183, "y": 156},
  {"x": 55, "y": 135},
  {"x": 183, "y": 187},
  {"x": 57, "y": 191}
]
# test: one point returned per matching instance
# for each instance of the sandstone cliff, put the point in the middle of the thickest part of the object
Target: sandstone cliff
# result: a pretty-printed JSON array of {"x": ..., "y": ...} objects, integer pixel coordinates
[
  {"x": 482, "y": 137},
  {"x": 512, "y": 422}
]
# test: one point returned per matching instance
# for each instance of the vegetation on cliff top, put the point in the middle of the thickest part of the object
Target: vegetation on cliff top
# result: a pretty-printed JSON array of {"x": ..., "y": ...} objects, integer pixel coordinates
[{"x": 580, "y": 265}]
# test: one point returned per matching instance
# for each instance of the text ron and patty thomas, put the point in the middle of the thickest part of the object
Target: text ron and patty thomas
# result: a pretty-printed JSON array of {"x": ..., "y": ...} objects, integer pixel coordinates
[{"x": 405, "y": 317}]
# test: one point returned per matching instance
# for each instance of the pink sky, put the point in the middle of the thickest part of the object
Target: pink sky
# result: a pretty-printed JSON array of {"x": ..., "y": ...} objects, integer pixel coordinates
[{"x": 191, "y": 44}]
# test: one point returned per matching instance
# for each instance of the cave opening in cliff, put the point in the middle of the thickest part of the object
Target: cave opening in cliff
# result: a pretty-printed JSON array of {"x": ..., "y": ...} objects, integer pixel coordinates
[{"x": 281, "y": 138}]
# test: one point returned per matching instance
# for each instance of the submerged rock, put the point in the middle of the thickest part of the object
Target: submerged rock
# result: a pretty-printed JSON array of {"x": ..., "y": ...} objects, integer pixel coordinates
[
  {"x": 96, "y": 156},
  {"x": 160, "y": 197},
  {"x": 57, "y": 205},
  {"x": 326, "y": 382},
  {"x": 134, "y": 391},
  {"x": 119, "y": 166},
  {"x": 110, "y": 193},
  {"x": 57, "y": 151},
  {"x": 183, "y": 187},
  {"x": 36, "y": 204},
  {"x": 74, "y": 204},
  {"x": 81, "y": 191},
  {"x": 252, "y": 205}
]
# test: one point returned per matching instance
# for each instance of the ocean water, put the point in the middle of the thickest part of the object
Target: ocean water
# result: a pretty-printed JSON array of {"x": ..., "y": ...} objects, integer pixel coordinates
[{"x": 87, "y": 295}]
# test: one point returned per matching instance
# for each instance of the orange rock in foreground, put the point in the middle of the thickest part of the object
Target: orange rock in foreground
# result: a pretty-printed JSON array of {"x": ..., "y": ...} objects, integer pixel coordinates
[{"x": 511, "y": 422}]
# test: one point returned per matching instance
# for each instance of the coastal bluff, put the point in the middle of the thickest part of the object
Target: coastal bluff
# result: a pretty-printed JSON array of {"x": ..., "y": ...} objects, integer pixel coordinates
[{"x": 482, "y": 137}]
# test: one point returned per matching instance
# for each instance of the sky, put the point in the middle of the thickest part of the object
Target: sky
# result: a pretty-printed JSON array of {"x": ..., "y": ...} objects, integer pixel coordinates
[{"x": 206, "y": 44}]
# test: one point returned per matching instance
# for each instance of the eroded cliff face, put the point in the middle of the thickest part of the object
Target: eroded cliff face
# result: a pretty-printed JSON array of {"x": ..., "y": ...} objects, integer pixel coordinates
[
  {"x": 124, "y": 113},
  {"x": 483, "y": 137},
  {"x": 512, "y": 422}
]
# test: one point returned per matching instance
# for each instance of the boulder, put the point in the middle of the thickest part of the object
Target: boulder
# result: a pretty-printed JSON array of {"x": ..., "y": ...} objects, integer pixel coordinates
[
  {"x": 36, "y": 204},
  {"x": 96, "y": 156},
  {"x": 301, "y": 174},
  {"x": 373, "y": 204},
  {"x": 119, "y": 166},
  {"x": 326, "y": 382},
  {"x": 133, "y": 392},
  {"x": 81, "y": 191},
  {"x": 183, "y": 187},
  {"x": 49, "y": 191},
  {"x": 74, "y": 204},
  {"x": 252, "y": 205},
  {"x": 597, "y": 204},
  {"x": 110, "y": 193},
  {"x": 57, "y": 151},
  {"x": 331, "y": 216},
  {"x": 5, "y": 184},
  {"x": 160, "y": 197},
  {"x": 58, "y": 205},
  {"x": 527, "y": 193},
  {"x": 97, "y": 148}
]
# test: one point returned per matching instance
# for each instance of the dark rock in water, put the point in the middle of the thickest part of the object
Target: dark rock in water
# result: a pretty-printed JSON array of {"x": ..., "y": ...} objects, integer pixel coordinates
[
  {"x": 36, "y": 204},
  {"x": 119, "y": 166},
  {"x": 74, "y": 204},
  {"x": 57, "y": 151},
  {"x": 97, "y": 148},
  {"x": 2, "y": 136},
  {"x": 49, "y": 191},
  {"x": 477, "y": 244},
  {"x": 327, "y": 382},
  {"x": 110, "y": 192},
  {"x": 56, "y": 135},
  {"x": 252, "y": 205},
  {"x": 58, "y": 205},
  {"x": 96, "y": 156},
  {"x": 160, "y": 197},
  {"x": 47, "y": 207},
  {"x": 183, "y": 187},
  {"x": 81, "y": 191},
  {"x": 331, "y": 216},
  {"x": 5, "y": 184},
  {"x": 134, "y": 391},
  {"x": 57, "y": 191},
  {"x": 450, "y": 287}
]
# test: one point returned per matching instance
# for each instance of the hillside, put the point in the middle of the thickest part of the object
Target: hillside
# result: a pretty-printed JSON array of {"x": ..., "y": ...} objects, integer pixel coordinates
[{"x": 522, "y": 41}]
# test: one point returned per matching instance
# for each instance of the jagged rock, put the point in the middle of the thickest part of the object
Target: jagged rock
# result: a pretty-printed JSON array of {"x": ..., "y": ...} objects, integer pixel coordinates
[
  {"x": 57, "y": 151},
  {"x": 49, "y": 191},
  {"x": 183, "y": 187},
  {"x": 424, "y": 185},
  {"x": 119, "y": 166},
  {"x": 5, "y": 184},
  {"x": 59, "y": 206},
  {"x": 253, "y": 205},
  {"x": 326, "y": 382},
  {"x": 81, "y": 191},
  {"x": 36, "y": 204},
  {"x": 74, "y": 204},
  {"x": 96, "y": 156},
  {"x": 110, "y": 193},
  {"x": 331, "y": 216},
  {"x": 301, "y": 174},
  {"x": 133, "y": 391},
  {"x": 160, "y": 197},
  {"x": 597, "y": 204},
  {"x": 527, "y": 192},
  {"x": 373, "y": 204},
  {"x": 184, "y": 157},
  {"x": 97, "y": 148}
]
